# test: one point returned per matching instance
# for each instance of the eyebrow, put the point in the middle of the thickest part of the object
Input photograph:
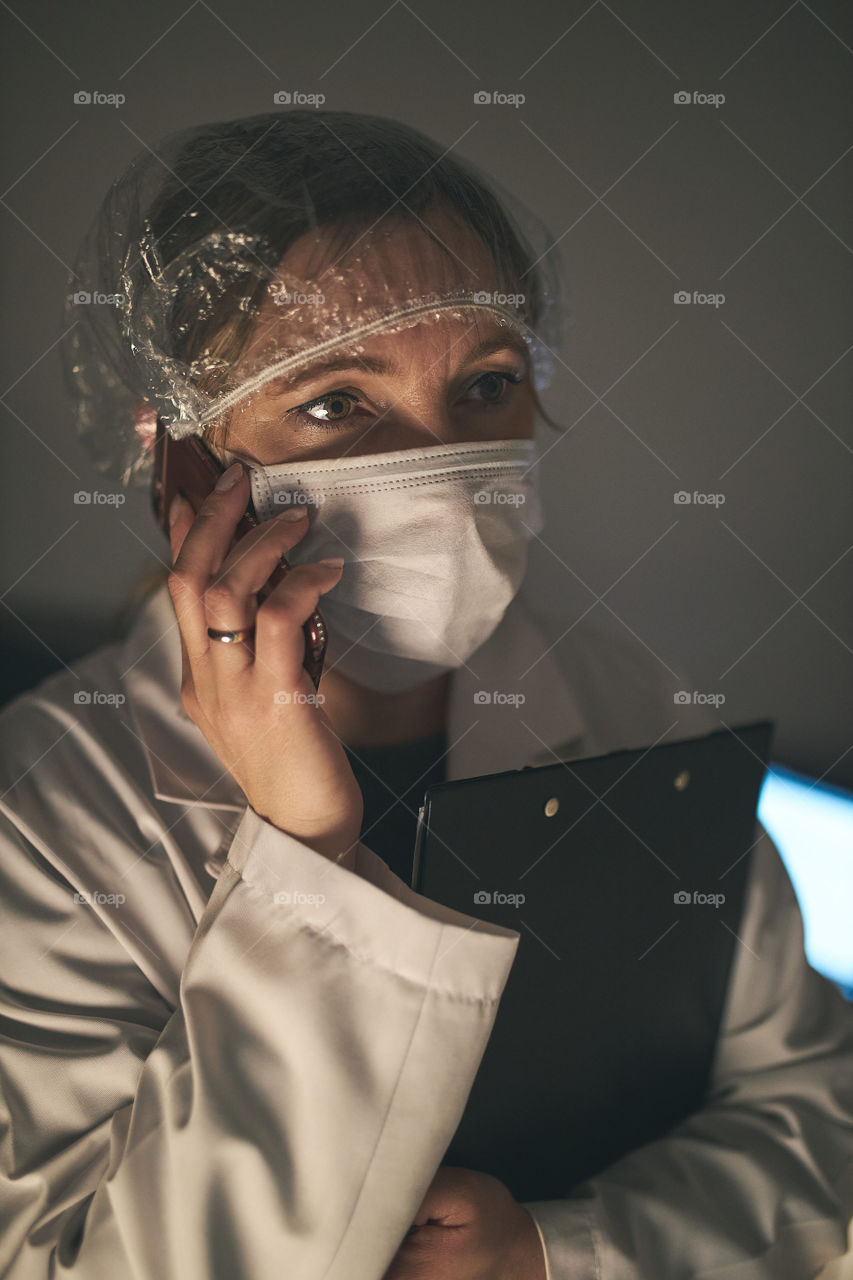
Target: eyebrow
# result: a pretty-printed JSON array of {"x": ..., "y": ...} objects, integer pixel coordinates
[{"x": 375, "y": 364}]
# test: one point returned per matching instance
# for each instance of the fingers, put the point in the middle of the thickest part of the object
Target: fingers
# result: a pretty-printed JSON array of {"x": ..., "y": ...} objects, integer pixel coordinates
[
  {"x": 230, "y": 600},
  {"x": 249, "y": 564},
  {"x": 199, "y": 545},
  {"x": 279, "y": 640},
  {"x": 213, "y": 528},
  {"x": 212, "y": 589},
  {"x": 184, "y": 597}
]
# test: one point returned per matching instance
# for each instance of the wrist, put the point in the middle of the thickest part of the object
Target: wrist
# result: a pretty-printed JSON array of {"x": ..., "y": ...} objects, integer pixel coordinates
[
  {"x": 343, "y": 853},
  {"x": 338, "y": 844},
  {"x": 527, "y": 1259}
]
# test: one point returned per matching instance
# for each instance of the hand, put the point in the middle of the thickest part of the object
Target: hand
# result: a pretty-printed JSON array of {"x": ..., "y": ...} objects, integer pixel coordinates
[
  {"x": 469, "y": 1227},
  {"x": 254, "y": 701}
]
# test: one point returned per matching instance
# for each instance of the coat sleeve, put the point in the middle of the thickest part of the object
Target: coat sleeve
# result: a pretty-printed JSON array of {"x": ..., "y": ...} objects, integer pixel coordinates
[
  {"x": 285, "y": 1118},
  {"x": 758, "y": 1184}
]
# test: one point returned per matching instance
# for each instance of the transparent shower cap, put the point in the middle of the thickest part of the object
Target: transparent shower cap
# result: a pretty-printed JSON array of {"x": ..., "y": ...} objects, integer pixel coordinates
[{"x": 241, "y": 252}]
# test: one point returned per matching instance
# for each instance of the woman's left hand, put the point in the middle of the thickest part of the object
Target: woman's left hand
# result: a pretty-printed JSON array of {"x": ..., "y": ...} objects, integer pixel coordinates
[{"x": 469, "y": 1227}]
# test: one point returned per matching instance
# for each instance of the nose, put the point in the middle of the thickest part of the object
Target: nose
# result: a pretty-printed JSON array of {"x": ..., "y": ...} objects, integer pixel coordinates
[{"x": 405, "y": 425}]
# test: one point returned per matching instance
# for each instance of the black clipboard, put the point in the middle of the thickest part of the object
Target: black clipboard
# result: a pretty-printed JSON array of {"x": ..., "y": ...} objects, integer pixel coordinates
[{"x": 606, "y": 1030}]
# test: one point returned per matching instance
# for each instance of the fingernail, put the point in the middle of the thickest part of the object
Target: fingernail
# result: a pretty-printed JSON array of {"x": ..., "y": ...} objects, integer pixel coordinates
[
  {"x": 292, "y": 513},
  {"x": 229, "y": 477},
  {"x": 175, "y": 508},
  {"x": 334, "y": 562}
]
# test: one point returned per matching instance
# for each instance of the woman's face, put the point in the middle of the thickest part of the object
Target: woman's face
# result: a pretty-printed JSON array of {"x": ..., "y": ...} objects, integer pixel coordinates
[{"x": 439, "y": 382}]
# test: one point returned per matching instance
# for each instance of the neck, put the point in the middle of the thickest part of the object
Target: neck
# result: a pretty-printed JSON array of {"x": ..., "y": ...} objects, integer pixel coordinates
[{"x": 364, "y": 718}]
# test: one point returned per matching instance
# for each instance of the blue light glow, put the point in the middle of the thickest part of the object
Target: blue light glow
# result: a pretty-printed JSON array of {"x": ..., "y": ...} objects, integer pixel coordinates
[{"x": 811, "y": 825}]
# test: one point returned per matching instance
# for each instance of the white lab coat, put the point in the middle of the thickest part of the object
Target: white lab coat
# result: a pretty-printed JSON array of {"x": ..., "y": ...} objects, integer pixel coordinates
[{"x": 201, "y": 1082}]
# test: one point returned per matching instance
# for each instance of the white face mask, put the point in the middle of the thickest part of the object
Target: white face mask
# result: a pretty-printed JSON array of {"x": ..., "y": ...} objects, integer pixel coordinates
[{"x": 434, "y": 542}]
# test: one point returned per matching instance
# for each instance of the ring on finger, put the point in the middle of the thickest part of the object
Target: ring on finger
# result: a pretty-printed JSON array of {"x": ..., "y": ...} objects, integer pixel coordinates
[{"x": 231, "y": 637}]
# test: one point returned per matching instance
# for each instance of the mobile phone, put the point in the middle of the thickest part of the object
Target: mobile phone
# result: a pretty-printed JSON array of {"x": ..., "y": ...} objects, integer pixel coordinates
[{"x": 188, "y": 467}]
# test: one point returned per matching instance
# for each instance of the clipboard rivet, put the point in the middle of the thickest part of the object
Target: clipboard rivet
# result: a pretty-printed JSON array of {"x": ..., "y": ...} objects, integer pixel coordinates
[
  {"x": 682, "y": 780},
  {"x": 551, "y": 807}
]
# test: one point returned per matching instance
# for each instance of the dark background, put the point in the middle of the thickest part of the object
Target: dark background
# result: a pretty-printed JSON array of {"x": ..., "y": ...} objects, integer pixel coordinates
[{"x": 750, "y": 399}]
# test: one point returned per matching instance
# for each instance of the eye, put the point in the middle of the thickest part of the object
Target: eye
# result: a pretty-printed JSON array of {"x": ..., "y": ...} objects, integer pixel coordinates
[
  {"x": 494, "y": 386},
  {"x": 334, "y": 406}
]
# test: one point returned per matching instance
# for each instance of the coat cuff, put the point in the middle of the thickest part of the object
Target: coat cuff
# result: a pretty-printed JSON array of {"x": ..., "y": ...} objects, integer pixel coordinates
[
  {"x": 568, "y": 1239},
  {"x": 373, "y": 914}
]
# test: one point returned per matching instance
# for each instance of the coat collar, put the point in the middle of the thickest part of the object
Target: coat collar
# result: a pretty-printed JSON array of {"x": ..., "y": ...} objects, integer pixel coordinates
[{"x": 510, "y": 706}]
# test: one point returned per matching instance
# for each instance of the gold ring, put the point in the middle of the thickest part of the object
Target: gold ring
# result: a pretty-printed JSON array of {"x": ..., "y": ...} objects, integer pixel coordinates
[{"x": 230, "y": 637}]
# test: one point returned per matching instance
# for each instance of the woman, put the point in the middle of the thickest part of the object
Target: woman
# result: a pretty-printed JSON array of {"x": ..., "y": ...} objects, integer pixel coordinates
[{"x": 235, "y": 1043}]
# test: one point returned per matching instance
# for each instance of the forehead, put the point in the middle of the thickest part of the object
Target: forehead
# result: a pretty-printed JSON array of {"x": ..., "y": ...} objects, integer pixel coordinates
[
  {"x": 340, "y": 290},
  {"x": 396, "y": 259},
  {"x": 334, "y": 278}
]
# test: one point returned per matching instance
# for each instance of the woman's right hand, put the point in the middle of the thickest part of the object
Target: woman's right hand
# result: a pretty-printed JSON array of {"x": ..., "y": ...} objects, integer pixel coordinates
[{"x": 254, "y": 702}]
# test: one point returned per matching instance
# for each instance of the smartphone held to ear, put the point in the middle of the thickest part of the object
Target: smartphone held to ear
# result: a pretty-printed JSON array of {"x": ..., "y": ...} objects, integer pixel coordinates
[{"x": 188, "y": 467}]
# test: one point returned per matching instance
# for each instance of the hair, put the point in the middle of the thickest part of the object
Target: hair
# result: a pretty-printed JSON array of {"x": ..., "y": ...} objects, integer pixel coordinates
[{"x": 282, "y": 174}]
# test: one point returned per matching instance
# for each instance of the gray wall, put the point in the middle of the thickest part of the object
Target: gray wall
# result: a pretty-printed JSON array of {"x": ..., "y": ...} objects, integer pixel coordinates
[{"x": 749, "y": 399}]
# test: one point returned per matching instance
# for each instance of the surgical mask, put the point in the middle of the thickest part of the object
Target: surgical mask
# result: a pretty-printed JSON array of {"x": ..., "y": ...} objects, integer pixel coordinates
[{"x": 434, "y": 542}]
